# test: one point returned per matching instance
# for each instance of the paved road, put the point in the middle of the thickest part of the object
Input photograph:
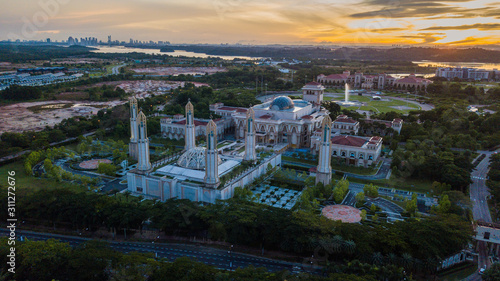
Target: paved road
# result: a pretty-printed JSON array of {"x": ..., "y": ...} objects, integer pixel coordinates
[
  {"x": 211, "y": 256},
  {"x": 480, "y": 211},
  {"x": 116, "y": 70}
]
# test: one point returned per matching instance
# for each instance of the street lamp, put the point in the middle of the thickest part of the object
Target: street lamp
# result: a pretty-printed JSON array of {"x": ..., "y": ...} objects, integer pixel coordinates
[{"x": 230, "y": 252}]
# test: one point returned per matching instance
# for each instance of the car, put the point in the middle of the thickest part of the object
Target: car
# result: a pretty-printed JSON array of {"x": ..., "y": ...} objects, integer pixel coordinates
[{"x": 482, "y": 270}]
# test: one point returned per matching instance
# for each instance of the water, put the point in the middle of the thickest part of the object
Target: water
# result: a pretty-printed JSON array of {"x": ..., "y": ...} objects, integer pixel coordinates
[
  {"x": 177, "y": 53},
  {"x": 487, "y": 66},
  {"x": 346, "y": 92}
]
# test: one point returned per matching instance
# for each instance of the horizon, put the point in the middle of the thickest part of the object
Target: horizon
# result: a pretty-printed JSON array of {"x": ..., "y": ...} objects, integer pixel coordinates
[{"x": 381, "y": 23}]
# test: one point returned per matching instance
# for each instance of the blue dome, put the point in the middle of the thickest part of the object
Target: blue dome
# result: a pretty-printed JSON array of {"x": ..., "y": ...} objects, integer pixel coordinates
[{"x": 282, "y": 103}]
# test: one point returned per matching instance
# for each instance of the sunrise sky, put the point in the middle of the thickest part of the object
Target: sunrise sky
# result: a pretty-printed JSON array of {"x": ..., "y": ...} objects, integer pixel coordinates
[{"x": 454, "y": 23}]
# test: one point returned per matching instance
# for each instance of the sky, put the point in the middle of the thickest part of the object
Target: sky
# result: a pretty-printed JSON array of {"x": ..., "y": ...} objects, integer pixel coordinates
[{"x": 358, "y": 22}]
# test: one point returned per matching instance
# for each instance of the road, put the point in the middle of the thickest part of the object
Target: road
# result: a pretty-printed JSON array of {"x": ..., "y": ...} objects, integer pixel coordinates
[
  {"x": 480, "y": 211},
  {"x": 222, "y": 259},
  {"x": 116, "y": 70}
]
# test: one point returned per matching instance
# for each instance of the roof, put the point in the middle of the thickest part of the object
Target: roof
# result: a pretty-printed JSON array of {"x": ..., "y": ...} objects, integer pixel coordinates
[
  {"x": 337, "y": 76},
  {"x": 349, "y": 141},
  {"x": 313, "y": 83},
  {"x": 265, "y": 116},
  {"x": 307, "y": 117},
  {"x": 345, "y": 120},
  {"x": 196, "y": 122}
]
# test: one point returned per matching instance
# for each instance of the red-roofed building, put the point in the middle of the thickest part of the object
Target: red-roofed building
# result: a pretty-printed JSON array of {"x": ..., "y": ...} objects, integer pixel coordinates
[
  {"x": 353, "y": 150},
  {"x": 412, "y": 83},
  {"x": 175, "y": 128},
  {"x": 357, "y": 80},
  {"x": 345, "y": 125}
]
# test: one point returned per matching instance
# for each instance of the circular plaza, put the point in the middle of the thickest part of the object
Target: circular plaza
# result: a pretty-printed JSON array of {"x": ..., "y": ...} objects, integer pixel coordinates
[
  {"x": 342, "y": 213},
  {"x": 93, "y": 164}
]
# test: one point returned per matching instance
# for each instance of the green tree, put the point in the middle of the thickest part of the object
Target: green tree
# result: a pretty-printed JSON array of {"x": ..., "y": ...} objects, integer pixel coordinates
[
  {"x": 492, "y": 273},
  {"x": 107, "y": 169}
]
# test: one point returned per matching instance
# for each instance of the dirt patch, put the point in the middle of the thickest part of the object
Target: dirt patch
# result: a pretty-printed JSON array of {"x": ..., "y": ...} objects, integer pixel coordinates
[
  {"x": 72, "y": 96},
  {"x": 20, "y": 117}
]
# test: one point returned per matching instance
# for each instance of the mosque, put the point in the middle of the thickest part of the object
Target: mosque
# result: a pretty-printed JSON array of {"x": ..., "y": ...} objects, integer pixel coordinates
[{"x": 196, "y": 174}]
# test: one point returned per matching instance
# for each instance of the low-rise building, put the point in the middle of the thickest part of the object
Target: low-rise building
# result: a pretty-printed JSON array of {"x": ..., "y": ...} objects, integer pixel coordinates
[{"x": 353, "y": 150}]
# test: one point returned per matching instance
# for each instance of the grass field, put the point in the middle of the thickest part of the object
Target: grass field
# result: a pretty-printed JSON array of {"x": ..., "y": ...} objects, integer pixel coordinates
[
  {"x": 414, "y": 185},
  {"x": 380, "y": 106},
  {"x": 28, "y": 183}
]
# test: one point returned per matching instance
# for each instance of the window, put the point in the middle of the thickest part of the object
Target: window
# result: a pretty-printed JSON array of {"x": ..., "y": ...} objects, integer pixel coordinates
[
  {"x": 139, "y": 189},
  {"x": 361, "y": 156},
  {"x": 487, "y": 235},
  {"x": 370, "y": 157},
  {"x": 335, "y": 152},
  {"x": 353, "y": 155},
  {"x": 342, "y": 153}
]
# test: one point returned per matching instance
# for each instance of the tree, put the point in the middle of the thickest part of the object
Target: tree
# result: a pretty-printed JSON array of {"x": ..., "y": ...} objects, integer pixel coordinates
[
  {"x": 411, "y": 205},
  {"x": 492, "y": 273},
  {"x": 444, "y": 204},
  {"x": 107, "y": 169},
  {"x": 360, "y": 198},
  {"x": 47, "y": 165},
  {"x": 370, "y": 190}
]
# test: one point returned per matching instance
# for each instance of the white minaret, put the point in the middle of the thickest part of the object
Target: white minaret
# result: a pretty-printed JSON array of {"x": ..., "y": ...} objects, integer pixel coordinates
[
  {"x": 250, "y": 154},
  {"x": 212, "y": 157},
  {"x": 190, "y": 135},
  {"x": 143, "y": 144},
  {"x": 132, "y": 147},
  {"x": 324, "y": 170}
]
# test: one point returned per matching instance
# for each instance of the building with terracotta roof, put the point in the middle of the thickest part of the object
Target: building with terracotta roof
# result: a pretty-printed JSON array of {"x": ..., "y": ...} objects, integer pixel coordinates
[
  {"x": 374, "y": 81},
  {"x": 345, "y": 125},
  {"x": 357, "y": 80},
  {"x": 353, "y": 150},
  {"x": 174, "y": 128}
]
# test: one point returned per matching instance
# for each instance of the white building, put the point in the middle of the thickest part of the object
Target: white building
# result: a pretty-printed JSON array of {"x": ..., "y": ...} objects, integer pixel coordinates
[
  {"x": 199, "y": 174},
  {"x": 358, "y": 151},
  {"x": 463, "y": 73},
  {"x": 280, "y": 120}
]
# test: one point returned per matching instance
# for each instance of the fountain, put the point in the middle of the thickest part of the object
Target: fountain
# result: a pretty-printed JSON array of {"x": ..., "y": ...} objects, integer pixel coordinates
[
  {"x": 346, "y": 101},
  {"x": 346, "y": 93}
]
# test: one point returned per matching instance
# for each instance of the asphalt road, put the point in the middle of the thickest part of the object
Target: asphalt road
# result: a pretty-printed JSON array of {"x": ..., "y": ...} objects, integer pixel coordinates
[
  {"x": 116, "y": 70},
  {"x": 480, "y": 211},
  {"x": 222, "y": 259}
]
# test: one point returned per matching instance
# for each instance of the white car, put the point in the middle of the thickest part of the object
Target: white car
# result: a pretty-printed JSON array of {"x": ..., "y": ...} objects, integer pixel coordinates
[{"x": 482, "y": 270}]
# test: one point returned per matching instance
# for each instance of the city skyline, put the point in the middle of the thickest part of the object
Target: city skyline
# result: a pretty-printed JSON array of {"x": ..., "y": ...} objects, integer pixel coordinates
[{"x": 444, "y": 23}]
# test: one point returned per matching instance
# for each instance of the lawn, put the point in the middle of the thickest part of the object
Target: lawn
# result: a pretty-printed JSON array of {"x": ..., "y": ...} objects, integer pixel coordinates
[
  {"x": 413, "y": 185},
  {"x": 354, "y": 169},
  {"x": 29, "y": 183},
  {"x": 381, "y": 106}
]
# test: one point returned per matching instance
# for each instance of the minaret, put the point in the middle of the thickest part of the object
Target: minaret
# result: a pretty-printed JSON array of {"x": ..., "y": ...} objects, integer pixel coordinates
[
  {"x": 212, "y": 157},
  {"x": 132, "y": 147},
  {"x": 250, "y": 154},
  {"x": 190, "y": 135},
  {"x": 143, "y": 144},
  {"x": 324, "y": 170}
]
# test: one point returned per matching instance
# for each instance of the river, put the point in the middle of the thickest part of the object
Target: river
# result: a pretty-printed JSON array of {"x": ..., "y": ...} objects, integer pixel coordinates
[
  {"x": 486, "y": 66},
  {"x": 176, "y": 53}
]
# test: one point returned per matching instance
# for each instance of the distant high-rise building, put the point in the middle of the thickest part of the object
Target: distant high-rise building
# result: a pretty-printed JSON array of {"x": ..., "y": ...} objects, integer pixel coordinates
[
  {"x": 48, "y": 40},
  {"x": 109, "y": 39}
]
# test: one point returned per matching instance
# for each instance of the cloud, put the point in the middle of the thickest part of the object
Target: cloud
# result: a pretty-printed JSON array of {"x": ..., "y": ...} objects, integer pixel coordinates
[
  {"x": 419, "y": 8},
  {"x": 479, "y": 26},
  {"x": 426, "y": 38}
]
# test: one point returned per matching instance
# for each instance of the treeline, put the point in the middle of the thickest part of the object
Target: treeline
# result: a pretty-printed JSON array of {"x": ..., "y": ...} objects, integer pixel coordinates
[
  {"x": 451, "y": 125},
  {"x": 18, "y": 53},
  {"x": 345, "y": 53},
  {"x": 95, "y": 260},
  {"x": 493, "y": 183},
  {"x": 16, "y": 92},
  {"x": 414, "y": 244},
  {"x": 105, "y": 93},
  {"x": 469, "y": 93},
  {"x": 202, "y": 97}
]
